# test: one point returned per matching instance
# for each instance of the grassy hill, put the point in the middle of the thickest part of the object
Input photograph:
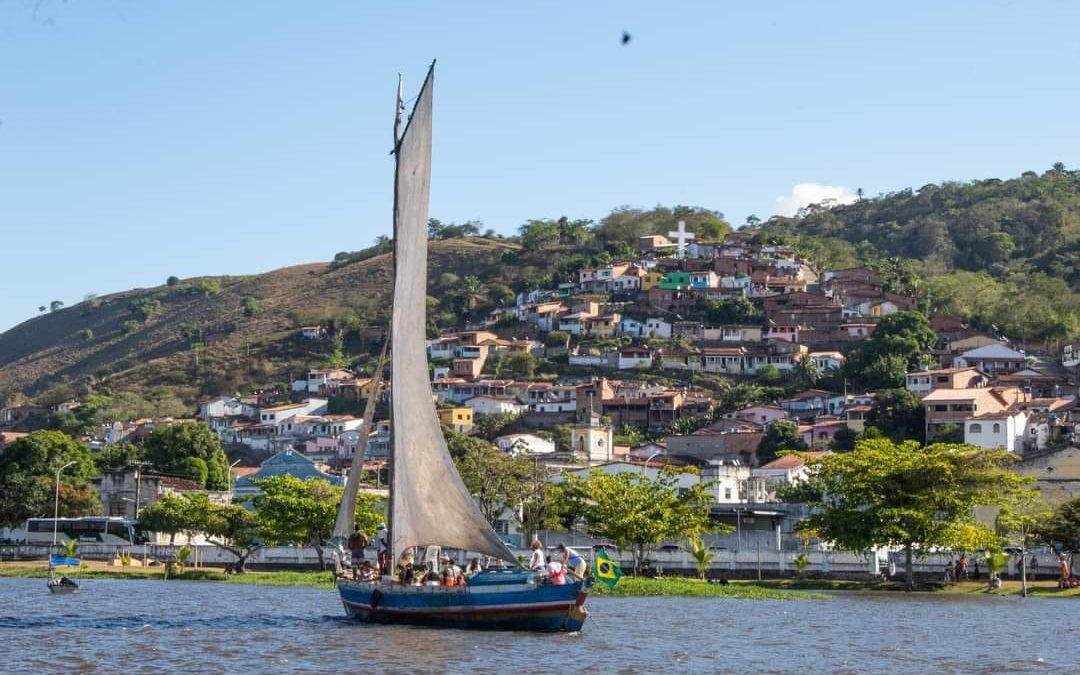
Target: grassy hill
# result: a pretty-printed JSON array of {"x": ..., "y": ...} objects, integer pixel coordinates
[{"x": 213, "y": 334}]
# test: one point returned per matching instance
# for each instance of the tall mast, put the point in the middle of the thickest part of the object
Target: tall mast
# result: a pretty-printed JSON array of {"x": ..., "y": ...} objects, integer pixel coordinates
[{"x": 399, "y": 113}]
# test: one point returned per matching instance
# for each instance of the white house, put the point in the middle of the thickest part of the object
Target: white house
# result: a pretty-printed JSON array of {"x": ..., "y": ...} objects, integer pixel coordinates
[
  {"x": 528, "y": 444},
  {"x": 992, "y": 358},
  {"x": 827, "y": 360},
  {"x": 656, "y": 327},
  {"x": 275, "y": 414},
  {"x": 727, "y": 479},
  {"x": 493, "y": 405},
  {"x": 634, "y": 357},
  {"x": 1070, "y": 355},
  {"x": 997, "y": 430},
  {"x": 782, "y": 470}
]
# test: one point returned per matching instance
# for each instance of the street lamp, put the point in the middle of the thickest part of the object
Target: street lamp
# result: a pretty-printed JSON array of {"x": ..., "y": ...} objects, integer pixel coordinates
[
  {"x": 229, "y": 478},
  {"x": 658, "y": 452},
  {"x": 56, "y": 501}
]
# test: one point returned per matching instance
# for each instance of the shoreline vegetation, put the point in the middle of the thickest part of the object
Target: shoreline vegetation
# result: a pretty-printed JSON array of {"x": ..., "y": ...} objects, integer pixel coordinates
[{"x": 675, "y": 587}]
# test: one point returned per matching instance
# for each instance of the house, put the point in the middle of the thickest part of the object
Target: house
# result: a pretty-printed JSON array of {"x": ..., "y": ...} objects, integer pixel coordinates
[
  {"x": 785, "y": 332},
  {"x": 1033, "y": 382},
  {"x": 17, "y": 415},
  {"x": 1005, "y": 429},
  {"x": 545, "y": 315},
  {"x": 274, "y": 415},
  {"x": 494, "y": 405},
  {"x": 312, "y": 332},
  {"x": 855, "y": 416},
  {"x": 727, "y": 360},
  {"x": 826, "y": 361},
  {"x": 953, "y": 406},
  {"x": 812, "y": 403},
  {"x": 970, "y": 342},
  {"x": 605, "y": 325},
  {"x": 766, "y": 479},
  {"x": 704, "y": 279},
  {"x": 284, "y": 463},
  {"x": 1070, "y": 355},
  {"x": 653, "y": 242},
  {"x": 727, "y": 480},
  {"x": 761, "y": 414},
  {"x": 992, "y": 359},
  {"x": 9, "y": 437},
  {"x": 922, "y": 382},
  {"x": 738, "y": 333},
  {"x": 721, "y": 440},
  {"x": 649, "y": 280},
  {"x": 126, "y": 493},
  {"x": 318, "y": 380},
  {"x": 656, "y": 327},
  {"x": 634, "y": 357},
  {"x": 675, "y": 281},
  {"x": 458, "y": 418},
  {"x": 630, "y": 327},
  {"x": 525, "y": 444}
]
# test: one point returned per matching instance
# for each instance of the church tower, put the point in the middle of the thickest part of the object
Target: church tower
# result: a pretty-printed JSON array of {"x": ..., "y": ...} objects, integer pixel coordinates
[{"x": 592, "y": 441}]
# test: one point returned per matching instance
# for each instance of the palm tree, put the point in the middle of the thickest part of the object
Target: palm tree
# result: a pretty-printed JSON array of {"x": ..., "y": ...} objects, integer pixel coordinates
[
  {"x": 702, "y": 555},
  {"x": 472, "y": 291},
  {"x": 807, "y": 371}
]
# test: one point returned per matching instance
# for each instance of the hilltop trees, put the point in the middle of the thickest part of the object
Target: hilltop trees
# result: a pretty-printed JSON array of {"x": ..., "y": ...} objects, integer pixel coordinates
[
  {"x": 626, "y": 224},
  {"x": 888, "y": 494},
  {"x": 900, "y": 343}
]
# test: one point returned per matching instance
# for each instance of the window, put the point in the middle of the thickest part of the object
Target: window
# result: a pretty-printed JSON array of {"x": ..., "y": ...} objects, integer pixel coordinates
[
  {"x": 727, "y": 493},
  {"x": 997, "y": 428},
  {"x": 975, "y": 429},
  {"x": 943, "y": 379}
]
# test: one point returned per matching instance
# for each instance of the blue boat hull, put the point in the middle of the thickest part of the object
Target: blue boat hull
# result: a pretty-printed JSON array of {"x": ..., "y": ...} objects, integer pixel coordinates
[{"x": 514, "y": 605}]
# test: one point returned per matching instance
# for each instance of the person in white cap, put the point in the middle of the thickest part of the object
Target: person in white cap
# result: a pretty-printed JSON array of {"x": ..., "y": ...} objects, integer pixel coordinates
[{"x": 383, "y": 544}]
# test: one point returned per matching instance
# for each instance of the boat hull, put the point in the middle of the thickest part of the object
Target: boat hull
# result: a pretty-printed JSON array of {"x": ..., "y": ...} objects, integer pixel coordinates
[
  {"x": 514, "y": 606},
  {"x": 62, "y": 588}
]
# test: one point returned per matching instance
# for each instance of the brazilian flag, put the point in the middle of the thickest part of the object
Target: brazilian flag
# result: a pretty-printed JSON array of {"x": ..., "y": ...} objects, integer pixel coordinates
[{"x": 605, "y": 569}]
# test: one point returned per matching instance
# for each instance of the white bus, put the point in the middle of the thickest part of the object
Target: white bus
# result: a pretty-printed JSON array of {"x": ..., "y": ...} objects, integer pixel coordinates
[{"x": 88, "y": 529}]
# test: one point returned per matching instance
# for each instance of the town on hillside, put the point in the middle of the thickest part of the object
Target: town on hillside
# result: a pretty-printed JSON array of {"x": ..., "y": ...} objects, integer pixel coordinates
[{"x": 706, "y": 358}]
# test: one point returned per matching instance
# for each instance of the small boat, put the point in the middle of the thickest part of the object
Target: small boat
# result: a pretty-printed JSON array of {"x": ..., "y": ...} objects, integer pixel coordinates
[
  {"x": 429, "y": 504},
  {"x": 58, "y": 581}
]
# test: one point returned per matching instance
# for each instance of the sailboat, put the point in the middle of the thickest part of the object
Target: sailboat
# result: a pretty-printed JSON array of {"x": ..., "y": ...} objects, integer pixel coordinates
[{"x": 429, "y": 505}]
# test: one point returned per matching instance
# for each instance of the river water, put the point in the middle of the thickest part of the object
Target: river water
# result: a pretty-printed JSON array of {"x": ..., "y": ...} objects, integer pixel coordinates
[{"x": 189, "y": 627}]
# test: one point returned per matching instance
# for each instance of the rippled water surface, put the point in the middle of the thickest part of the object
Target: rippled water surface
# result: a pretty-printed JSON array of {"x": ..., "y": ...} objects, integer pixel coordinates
[{"x": 189, "y": 627}]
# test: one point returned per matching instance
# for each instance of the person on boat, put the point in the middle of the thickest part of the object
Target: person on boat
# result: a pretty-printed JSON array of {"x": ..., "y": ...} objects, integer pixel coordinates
[
  {"x": 383, "y": 545},
  {"x": 408, "y": 569},
  {"x": 536, "y": 559},
  {"x": 358, "y": 541},
  {"x": 556, "y": 573},
  {"x": 431, "y": 579},
  {"x": 474, "y": 567},
  {"x": 573, "y": 561}
]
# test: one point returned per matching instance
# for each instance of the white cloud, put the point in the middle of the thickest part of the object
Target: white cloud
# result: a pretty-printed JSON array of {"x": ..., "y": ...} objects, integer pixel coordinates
[{"x": 805, "y": 194}]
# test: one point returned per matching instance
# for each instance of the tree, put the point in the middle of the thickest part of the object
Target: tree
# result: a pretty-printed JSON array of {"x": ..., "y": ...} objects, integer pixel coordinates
[
  {"x": 557, "y": 339},
  {"x": 807, "y": 372},
  {"x": 28, "y": 469},
  {"x": 687, "y": 425},
  {"x": 769, "y": 375},
  {"x": 116, "y": 457},
  {"x": 541, "y": 503},
  {"x": 169, "y": 449},
  {"x": 1020, "y": 520},
  {"x": 701, "y": 553},
  {"x": 87, "y": 335},
  {"x": 491, "y": 477},
  {"x": 781, "y": 435},
  {"x": 249, "y": 307},
  {"x": 41, "y": 309},
  {"x": 234, "y": 529},
  {"x": 173, "y": 515},
  {"x": 901, "y": 342},
  {"x": 898, "y": 414},
  {"x": 490, "y": 427},
  {"x": 172, "y": 281},
  {"x": 844, "y": 439},
  {"x": 1063, "y": 526},
  {"x": 302, "y": 512},
  {"x": 55, "y": 305},
  {"x": 888, "y": 494},
  {"x": 521, "y": 365},
  {"x": 636, "y": 512}
]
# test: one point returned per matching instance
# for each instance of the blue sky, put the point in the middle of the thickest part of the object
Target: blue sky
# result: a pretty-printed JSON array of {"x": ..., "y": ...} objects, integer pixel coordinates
[{"x": 140, "y": 140}]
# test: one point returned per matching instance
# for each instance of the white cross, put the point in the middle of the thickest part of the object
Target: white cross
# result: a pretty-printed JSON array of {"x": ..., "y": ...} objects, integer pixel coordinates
[{"x": 681, "y": 235}]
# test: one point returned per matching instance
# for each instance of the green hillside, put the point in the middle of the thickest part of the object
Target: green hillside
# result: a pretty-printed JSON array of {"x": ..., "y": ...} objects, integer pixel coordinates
[
  {"x": 1001, "y": 253},
  {"x": 213, "y": 334}
]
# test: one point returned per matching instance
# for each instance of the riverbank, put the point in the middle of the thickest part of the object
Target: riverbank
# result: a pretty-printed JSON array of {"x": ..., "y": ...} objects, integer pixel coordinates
[
  {"x": 771, "y": 589},
  {"x": 1042, "y": 588}
]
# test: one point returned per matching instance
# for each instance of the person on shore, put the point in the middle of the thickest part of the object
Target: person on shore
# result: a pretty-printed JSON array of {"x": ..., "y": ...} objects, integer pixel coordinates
[
  {"x": 976, "y": 574},
  {"x": 536, "y": 558},
  {"x": 1063, "y": 570},
  {"x": 1033, "y": 566},
  {"x": 383, "y": 545},
  {"x": 949, "y": 571},
  {"x": 573, "y": 561}
]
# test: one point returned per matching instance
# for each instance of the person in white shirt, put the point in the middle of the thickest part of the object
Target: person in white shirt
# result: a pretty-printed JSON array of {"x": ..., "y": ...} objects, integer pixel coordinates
[{"x": 536, "y": 560}]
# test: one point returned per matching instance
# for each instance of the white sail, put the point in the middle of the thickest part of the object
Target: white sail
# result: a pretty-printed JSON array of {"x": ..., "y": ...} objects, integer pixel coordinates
[{"x": 429, "y": 503}]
